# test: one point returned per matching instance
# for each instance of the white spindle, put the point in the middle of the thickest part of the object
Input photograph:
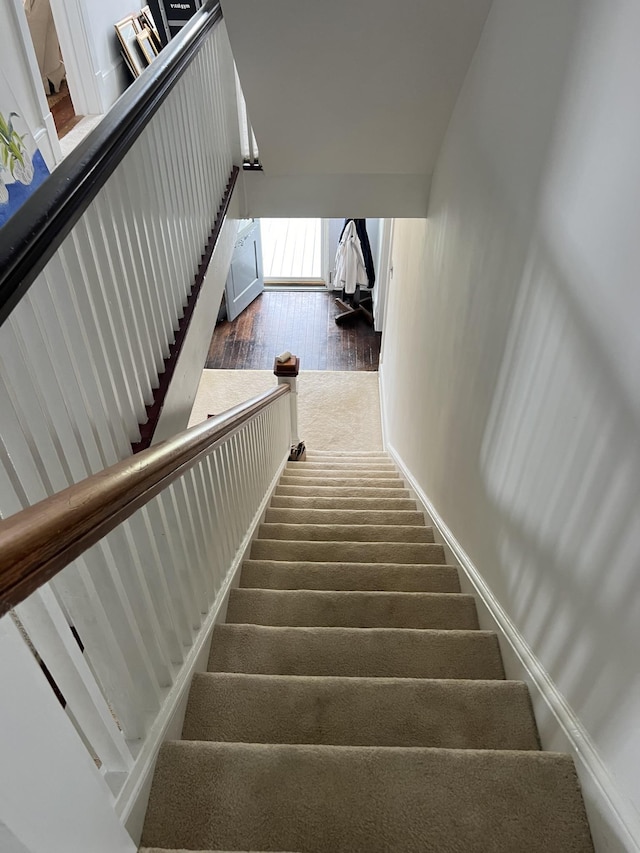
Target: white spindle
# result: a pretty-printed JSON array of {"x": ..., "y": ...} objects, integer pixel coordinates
[
  {"x": 168, "y": 569},
  {"x": 173, "y": 248},
  {"x": 67, "y": 324},
  {"x": 143, "y": 261},
  {"x": 137, "y": 585},
  {"x": 130, "y": 303}
]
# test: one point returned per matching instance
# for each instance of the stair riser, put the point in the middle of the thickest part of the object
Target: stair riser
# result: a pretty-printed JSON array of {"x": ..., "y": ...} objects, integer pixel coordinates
[
  {"x": 343, "y": 516},
  {"x": 340, "y": 799},
  {"x": 372, "y": 653},
  {"x": 346, "y": 533},
  {"x": 348, "y": 552},
  {"x": 267, "y": 574},
  {"x": 352, "y": 609},
  {"x": 360, "y": 712}
]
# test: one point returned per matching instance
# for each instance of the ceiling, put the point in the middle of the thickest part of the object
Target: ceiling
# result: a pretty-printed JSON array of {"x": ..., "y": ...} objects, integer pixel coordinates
[{"x": 348, "y": 87}]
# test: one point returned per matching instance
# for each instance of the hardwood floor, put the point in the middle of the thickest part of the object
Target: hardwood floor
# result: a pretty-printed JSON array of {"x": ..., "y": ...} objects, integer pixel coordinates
[
  {"x": 297, "y": 321},
  {"x": 62, "y": 110}
]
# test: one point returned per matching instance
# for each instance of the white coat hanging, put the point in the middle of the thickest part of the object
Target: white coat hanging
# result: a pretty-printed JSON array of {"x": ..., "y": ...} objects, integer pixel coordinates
[{"x": 350, "y": 268}]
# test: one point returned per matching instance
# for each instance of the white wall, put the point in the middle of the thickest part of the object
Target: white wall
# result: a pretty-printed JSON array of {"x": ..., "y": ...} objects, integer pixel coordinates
[
  {"x": 328, "y": 196},
  {"x": 518, "y": 302}
]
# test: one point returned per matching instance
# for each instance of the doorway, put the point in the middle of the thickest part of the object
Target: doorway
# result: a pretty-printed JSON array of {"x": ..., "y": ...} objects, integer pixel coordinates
[
  {"x": 294, "y": 252},
  {"x": 51, "y": 66}
]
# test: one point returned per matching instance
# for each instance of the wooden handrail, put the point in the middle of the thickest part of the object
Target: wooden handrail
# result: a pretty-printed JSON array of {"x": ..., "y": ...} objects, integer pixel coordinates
[
  {"x": 36, "y": 231},
  {"x": 36, "y": 543}
]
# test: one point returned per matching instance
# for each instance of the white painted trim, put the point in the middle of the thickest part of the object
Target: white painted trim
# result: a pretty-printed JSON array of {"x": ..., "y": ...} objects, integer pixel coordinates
[
  {"x": 72, "y": 30},
  {"x": 52, "y": 153},
  {"x": 325, "y": 260},
  {"x": 384, "y": 276},
  {"x": 615, "y": 824},
  {"x": 383, "y": 406},
  {"x": 131, "y": 803}
]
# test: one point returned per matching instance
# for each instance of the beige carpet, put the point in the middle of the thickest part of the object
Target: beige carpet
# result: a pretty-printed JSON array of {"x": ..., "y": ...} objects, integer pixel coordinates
[
  {"x": 352, "y": 704},
  {"x": 336, "y": 409}
]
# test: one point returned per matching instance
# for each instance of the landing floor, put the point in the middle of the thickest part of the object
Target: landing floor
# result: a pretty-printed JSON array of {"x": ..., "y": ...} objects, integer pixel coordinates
[{"x": 301, "y": 322}]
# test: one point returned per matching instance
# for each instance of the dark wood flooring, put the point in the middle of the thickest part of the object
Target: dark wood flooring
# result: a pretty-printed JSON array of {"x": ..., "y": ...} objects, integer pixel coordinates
[
  {"x": 302, "y": 323},
  {"x": 62, "y": 111}
]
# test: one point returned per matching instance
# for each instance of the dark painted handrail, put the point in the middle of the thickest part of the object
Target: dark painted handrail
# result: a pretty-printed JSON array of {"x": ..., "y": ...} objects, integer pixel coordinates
[
  {"x": 32, "y": 236},
  {"x": 40, "y": 541}
]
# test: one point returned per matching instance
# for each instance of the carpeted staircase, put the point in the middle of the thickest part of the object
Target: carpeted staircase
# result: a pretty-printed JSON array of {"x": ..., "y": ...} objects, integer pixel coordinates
[{"x": 352, "y": 703}]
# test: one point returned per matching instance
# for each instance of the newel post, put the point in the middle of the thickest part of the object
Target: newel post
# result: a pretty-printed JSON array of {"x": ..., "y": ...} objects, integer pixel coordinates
[{"x": 287, "y": 371}]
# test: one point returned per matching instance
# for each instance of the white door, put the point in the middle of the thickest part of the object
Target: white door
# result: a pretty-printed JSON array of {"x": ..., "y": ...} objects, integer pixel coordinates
[
  {"x": 245, "y": 280},
  {"x": 333, "y": 230}
]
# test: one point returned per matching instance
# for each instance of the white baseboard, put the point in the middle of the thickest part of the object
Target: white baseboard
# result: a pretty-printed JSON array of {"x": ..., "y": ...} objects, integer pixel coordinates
[
  {"x": 615, "y": 824},
  {"x": 131, "y": 803},
  {"x": 46, "y": 139}
]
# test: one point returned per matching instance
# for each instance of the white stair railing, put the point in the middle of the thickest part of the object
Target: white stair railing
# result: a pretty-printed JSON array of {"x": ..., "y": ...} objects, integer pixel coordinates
[{"x": 120, "y": 629}]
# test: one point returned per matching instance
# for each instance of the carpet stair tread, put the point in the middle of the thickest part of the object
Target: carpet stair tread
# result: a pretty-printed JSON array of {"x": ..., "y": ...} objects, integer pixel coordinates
[
  {"x": 352, "y": 552},
  {"x": 360, "y": 504},
  {"x": 327, "y": 608},
  {"x": 389, "y": 577},
  {"x": 341, "y": 481},
  {"x": 368, "y": 652},
  {"x": 360, "y": 711},
  {"x": 367, "y": 491},
  {"x": 346, "y": 532},
  {"x": 298, "y": 469},
  {"x": 337, "y": 798},
  {"x": 366, "y": 517},
  {"x": 346, "y": 454},
  {"x": 342, "y": 465}
]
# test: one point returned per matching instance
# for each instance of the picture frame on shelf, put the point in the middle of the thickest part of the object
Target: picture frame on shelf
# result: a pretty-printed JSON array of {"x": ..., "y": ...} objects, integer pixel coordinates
[
  {"x": 147, "y": 20},
  {"x": 127, "y": 31},
  {"x": 147, "y": 46}
]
